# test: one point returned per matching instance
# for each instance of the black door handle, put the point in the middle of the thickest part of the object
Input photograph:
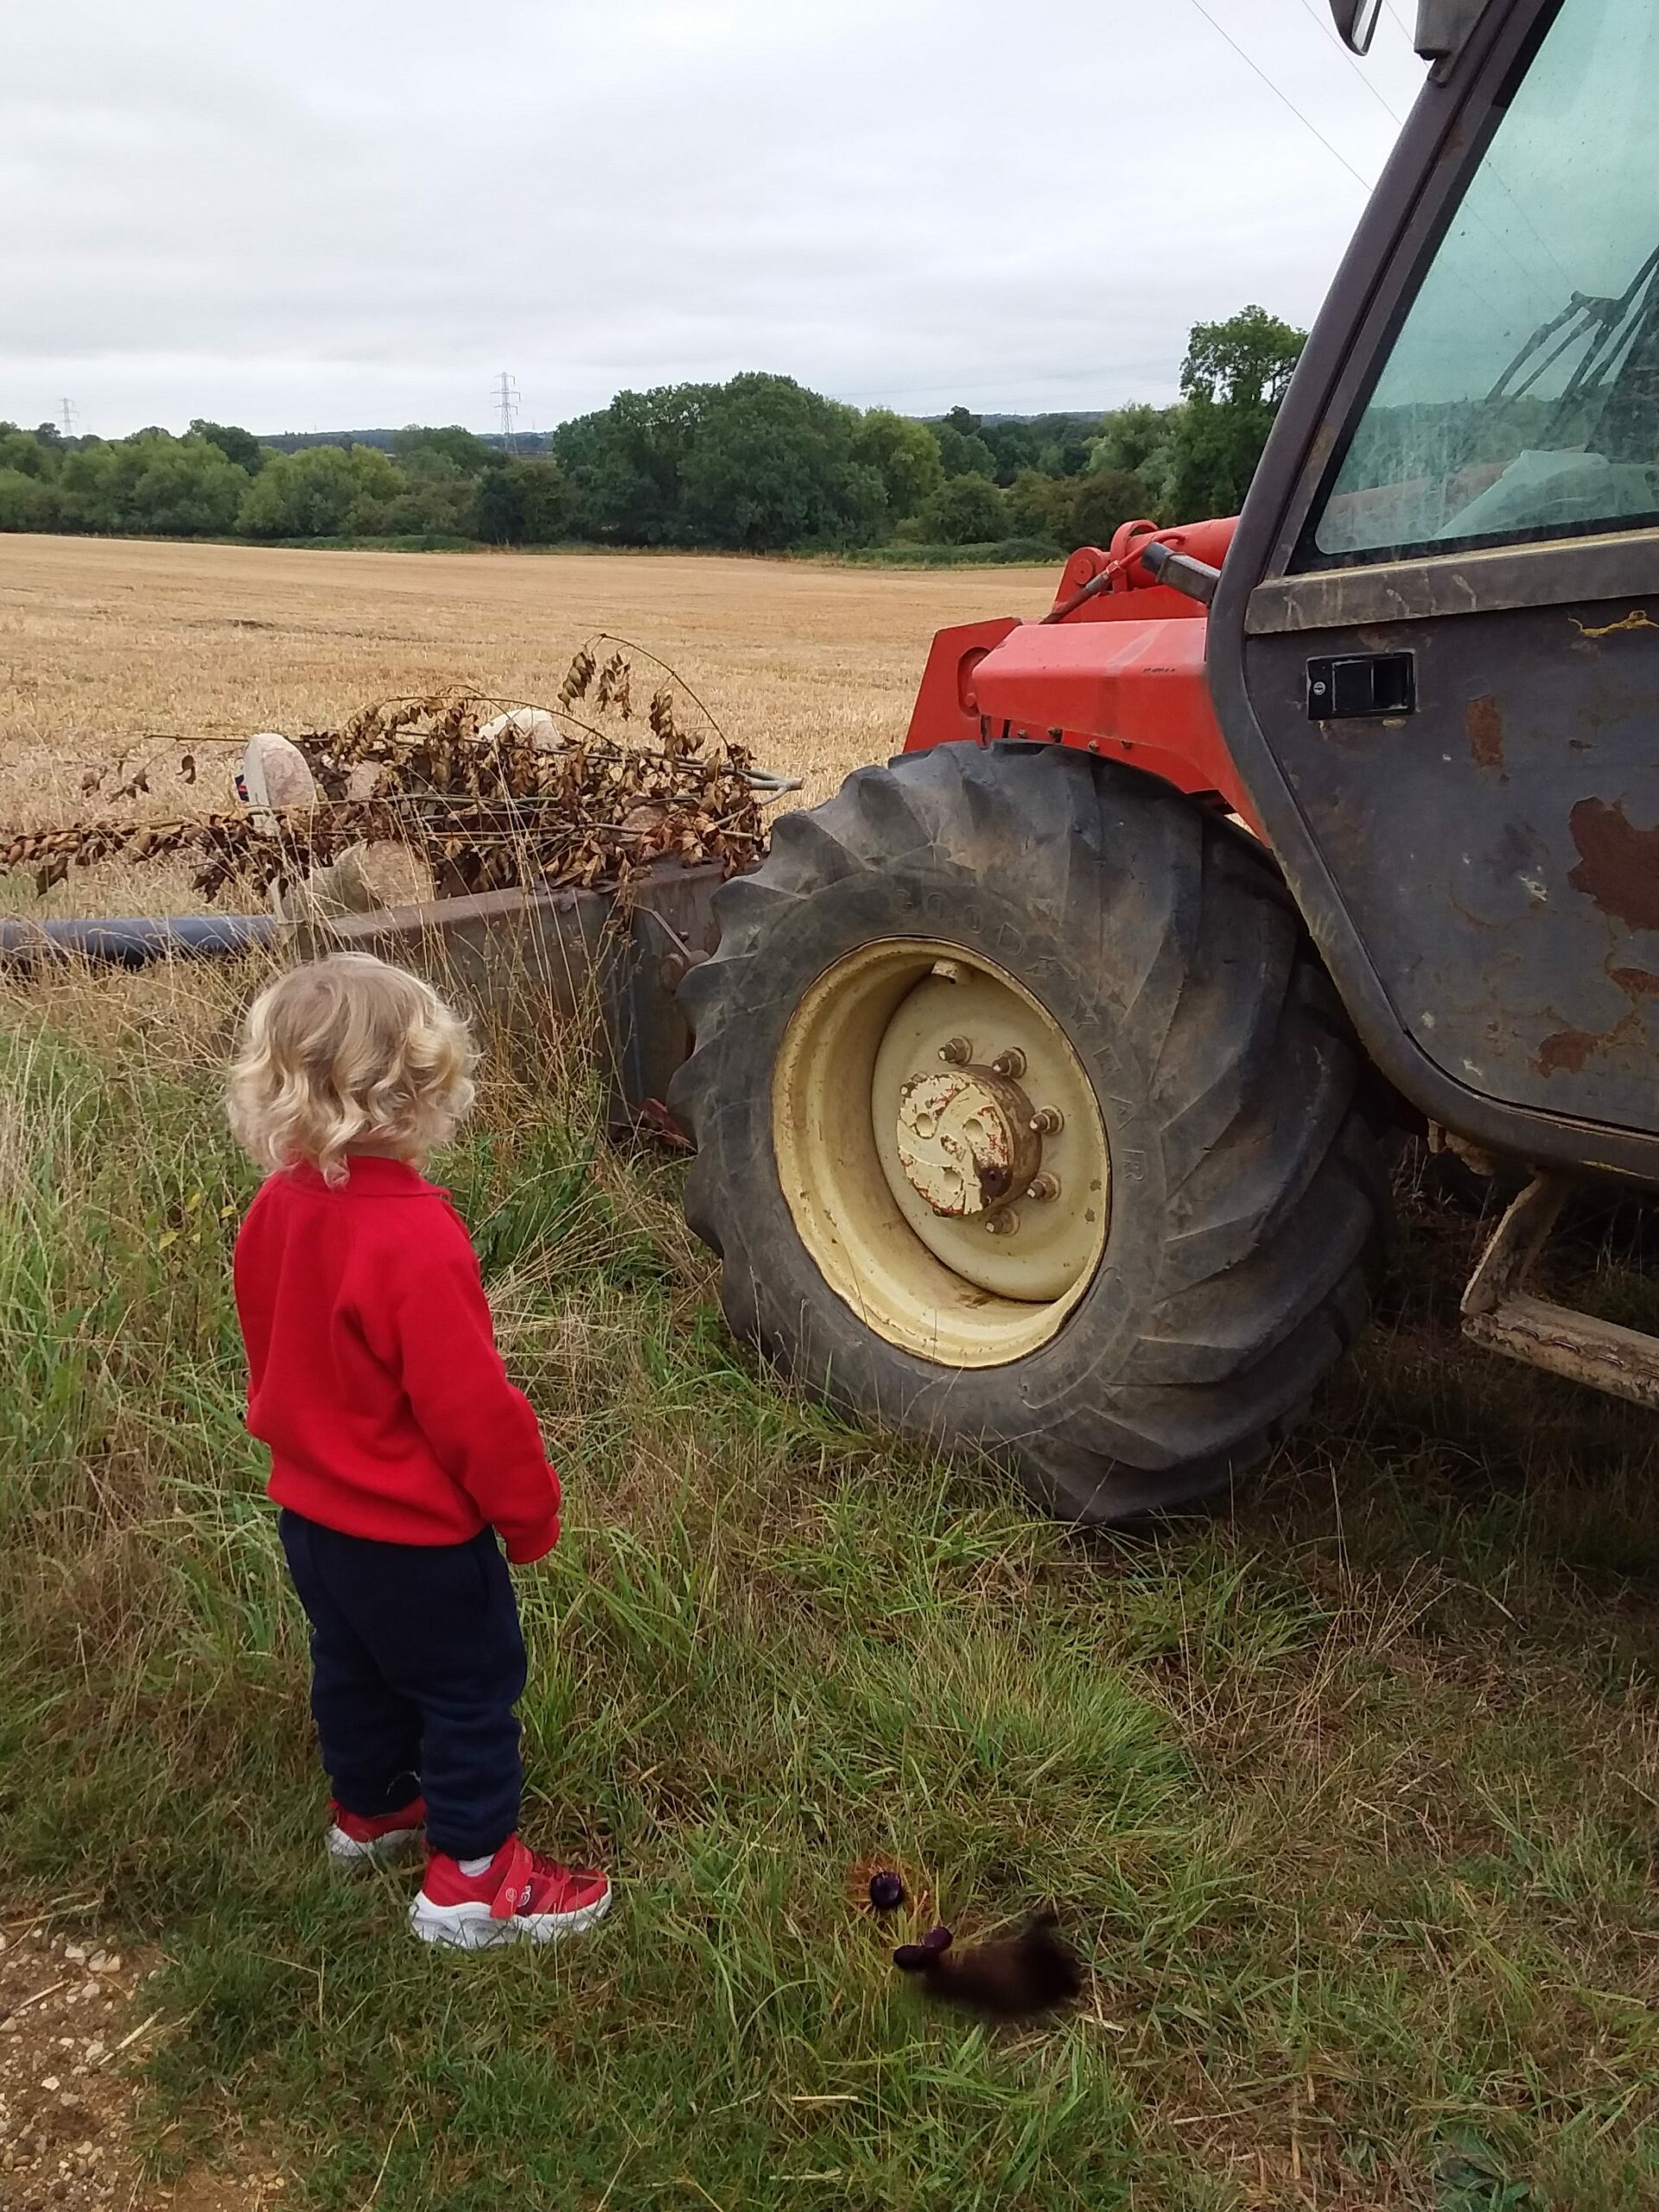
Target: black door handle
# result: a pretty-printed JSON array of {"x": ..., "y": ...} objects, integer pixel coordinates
[{"x": 1359, "y": 684}]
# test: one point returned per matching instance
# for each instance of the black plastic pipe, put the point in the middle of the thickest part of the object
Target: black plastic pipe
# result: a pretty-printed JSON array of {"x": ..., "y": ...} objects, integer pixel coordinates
[{"x": 135, "y": 940}]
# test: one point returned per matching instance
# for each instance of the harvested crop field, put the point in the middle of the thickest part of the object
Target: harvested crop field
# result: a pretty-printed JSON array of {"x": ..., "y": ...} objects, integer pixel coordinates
[
  {"x": 812, "y": 667},
  {"x": 1347, "y": 1795}
]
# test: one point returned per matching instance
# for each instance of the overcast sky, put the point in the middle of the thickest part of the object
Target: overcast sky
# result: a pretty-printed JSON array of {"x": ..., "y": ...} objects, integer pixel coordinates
[{"x": 302, "y": 214}]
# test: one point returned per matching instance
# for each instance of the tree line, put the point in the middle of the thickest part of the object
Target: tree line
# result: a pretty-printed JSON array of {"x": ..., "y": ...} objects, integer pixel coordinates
[{"x": 758, "y": 464}]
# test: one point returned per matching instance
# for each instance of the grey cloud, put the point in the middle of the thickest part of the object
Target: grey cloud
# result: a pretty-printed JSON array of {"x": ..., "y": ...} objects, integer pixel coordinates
[{"x": 325, "y": 215}]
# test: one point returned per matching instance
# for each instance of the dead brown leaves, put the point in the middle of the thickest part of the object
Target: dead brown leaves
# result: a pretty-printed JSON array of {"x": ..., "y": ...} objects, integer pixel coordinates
[{"x": 491, "y": 794}]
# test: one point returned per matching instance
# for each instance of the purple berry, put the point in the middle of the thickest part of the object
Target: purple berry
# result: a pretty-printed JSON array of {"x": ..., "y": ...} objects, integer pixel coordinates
[{"x": 887, "y": 1891}]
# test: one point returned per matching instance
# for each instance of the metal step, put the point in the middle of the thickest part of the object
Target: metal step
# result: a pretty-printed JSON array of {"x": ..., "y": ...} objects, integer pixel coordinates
[{"x": 1499, "y": 1312}]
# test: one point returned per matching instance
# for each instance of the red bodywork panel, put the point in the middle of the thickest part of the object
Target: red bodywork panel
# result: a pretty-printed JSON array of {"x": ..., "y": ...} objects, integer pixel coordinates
[{"x": 1116, "y": 667}]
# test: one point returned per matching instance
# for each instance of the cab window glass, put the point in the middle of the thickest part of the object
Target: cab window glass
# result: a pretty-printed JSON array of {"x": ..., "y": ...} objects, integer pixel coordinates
[{"x": 1521, "y": 399}]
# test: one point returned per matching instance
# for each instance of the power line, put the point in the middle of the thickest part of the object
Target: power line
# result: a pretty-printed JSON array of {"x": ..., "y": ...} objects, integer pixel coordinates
[
  {"x": 1278, "y": 93},
  {"x": 1352, "y": 60},
  {"x": 1364, "y": 77},
  {"x": 1364, "y": 74}
]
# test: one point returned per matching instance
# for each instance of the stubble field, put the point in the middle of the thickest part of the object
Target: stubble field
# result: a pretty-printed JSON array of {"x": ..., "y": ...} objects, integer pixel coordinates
[
  {"x": 813, "y": 667},
  {"x": 1347, "y": 1794}
]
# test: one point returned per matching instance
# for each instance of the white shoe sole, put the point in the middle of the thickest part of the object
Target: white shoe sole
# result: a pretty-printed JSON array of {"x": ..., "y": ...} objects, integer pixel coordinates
[
  {"x": 346, "y": 1850},
  {"x": 469, "y": 1927}
]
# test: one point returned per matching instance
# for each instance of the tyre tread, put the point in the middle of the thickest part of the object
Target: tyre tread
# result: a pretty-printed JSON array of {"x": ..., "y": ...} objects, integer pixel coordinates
[{"x": 1274, "y": 1193}]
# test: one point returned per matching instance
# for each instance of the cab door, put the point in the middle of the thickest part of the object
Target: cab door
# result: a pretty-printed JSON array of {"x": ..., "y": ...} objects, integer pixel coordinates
[{"x": 1435, "y": 647}]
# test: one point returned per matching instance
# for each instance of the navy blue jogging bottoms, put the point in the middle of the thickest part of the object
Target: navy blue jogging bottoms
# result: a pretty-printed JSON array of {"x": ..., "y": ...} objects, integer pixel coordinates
[{"x": 417, "y": 1663}]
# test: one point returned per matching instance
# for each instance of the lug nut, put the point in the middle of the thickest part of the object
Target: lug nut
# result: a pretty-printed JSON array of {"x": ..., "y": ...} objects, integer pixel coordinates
[
  {"x": 1011, "y": 1064},
  {"x": 1047, "y": 1121},
  {"x": 1005, "y": 1223},
  {"x": 957, "y": 1053},
  {"x": 1043, "y": 1186}
]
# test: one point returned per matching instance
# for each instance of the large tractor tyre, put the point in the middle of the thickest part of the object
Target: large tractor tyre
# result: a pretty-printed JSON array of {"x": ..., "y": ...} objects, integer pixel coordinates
[{"x": 1026, "y": 1119}]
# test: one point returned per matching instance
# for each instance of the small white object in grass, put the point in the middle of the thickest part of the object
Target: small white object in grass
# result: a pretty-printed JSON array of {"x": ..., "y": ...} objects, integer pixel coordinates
[
  {"x": 274, "y": 773},
  {"x": 533, "y": 722},
  {"x": 327, "y": 892}
]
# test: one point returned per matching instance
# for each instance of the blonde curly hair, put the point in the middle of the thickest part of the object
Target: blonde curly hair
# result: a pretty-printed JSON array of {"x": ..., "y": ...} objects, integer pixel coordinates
[{"x": 348, "y": 1054}]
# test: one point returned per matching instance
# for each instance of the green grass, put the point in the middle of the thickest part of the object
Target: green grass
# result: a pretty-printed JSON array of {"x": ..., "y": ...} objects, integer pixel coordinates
[{"x": 1350, "y": 1797}]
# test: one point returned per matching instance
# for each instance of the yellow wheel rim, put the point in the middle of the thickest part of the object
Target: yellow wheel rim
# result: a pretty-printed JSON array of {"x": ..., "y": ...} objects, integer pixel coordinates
[{"x": 942, "y": 1152}]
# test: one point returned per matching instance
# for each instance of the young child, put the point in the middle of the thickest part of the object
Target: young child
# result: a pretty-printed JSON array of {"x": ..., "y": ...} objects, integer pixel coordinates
[{"x": 398, "y": 1447}]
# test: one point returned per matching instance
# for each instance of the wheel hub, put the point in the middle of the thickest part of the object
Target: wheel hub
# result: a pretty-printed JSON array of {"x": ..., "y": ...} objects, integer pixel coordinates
[
  {"x": 966, "y": 1139},
  {"x": 942, "y": 1150}
]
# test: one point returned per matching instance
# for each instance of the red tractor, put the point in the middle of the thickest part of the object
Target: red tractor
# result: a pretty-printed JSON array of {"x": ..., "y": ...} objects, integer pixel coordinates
[{"x": 1040, "y": 1076}]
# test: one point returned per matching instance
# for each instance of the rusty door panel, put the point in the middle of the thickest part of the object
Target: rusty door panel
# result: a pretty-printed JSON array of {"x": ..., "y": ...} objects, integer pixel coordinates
[{"x": 1498, "y": 851}]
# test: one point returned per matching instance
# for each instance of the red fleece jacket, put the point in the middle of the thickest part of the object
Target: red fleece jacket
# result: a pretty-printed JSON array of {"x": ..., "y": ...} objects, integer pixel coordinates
[{"x": 373, "y": 1374}]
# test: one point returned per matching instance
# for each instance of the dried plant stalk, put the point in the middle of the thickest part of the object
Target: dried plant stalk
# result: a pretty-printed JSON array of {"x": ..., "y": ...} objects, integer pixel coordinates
[{"x": 492, "y": 797}]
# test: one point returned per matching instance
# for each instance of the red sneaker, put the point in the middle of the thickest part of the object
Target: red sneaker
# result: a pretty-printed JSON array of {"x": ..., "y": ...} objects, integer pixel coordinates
[
  {"x": 388, "y": 1835},
  {"x": 519, "y": 1897}
]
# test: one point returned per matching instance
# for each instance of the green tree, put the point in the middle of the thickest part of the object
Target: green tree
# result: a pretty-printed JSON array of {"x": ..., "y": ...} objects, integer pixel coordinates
[
  {"x": 322, "y": 492},
  {"x": 524, "y": 502},
  {"x": 1102, "y": 502},
  {"x": 1233, "y": 377},
  {"x": 1247, "y": 361},
  {"x": 237, "y": 445},
  {"x": 151, "y": 483},
  {"x": 551, "y": 508},
  {"x": 436, "y": 500},
  {"x": 964, "y": 511},
  {"x": 90, "y": 486},
  {"x": 905, "y": 456},
  {"x": 963, "y": 453},
  {"x": 1129, "y": 437},
  {"x": 27, "y": 502},
  {"x": 1013, "y": 446},
  {"x": 28, "y": 455},
  {"x": 186, "y": 487},
  {"x": 1039, "y": 505},
  {"x": 773, "y": 465},
  {"x": 626, "y": 460},
  {"x": 499, "y": 507},
  {"x": 469, "y": 451}
]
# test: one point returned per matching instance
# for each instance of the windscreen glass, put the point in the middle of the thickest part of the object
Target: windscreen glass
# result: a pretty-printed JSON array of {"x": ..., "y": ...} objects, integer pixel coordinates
[{"x": 1521, "y": 399}]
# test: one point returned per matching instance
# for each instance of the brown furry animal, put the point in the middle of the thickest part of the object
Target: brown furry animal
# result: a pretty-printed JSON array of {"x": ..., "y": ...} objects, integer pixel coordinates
[{"x": 1012, "y": 1978}]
